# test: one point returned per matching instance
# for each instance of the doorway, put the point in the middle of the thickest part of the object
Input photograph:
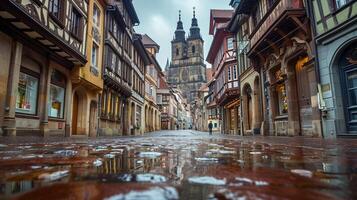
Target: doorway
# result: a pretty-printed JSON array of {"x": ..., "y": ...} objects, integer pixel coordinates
[
  {"x": 93, "y": 119},
  {"x": 305, "y": 76}
]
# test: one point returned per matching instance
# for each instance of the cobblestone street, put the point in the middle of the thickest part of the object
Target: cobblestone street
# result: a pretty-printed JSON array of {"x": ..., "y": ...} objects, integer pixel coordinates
[{"x": 178, "y": 165}]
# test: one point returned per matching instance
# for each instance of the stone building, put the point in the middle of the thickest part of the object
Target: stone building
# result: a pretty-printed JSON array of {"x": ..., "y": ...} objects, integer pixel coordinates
[
  {"x": 280, "y": 50},
  {"x": 222, "y": 56},
  {"x": 152, "y": 73},
  {"x": 187, "y": 69},
  {"x": 335, "y": 31},
  {"x": 116, "y": 100},
  {"x": 42, "y": 44}
]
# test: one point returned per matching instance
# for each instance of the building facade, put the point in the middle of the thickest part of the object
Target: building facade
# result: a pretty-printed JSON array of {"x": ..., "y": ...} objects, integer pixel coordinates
[
  {"x": 280, "y": 50},
  {"x": 167, "y": 103},
  {"x": 41, "y": 43},
  {"x": 335, "y": 32},
  {"x": 152, "y": 73},
  {"x": 116, "y": 99},
  {"x": 187, "y": 70},
  {"x": 222, "y": 56}
]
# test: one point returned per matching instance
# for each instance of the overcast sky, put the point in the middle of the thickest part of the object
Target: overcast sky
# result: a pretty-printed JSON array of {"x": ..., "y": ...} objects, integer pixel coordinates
[{"x": 158, "y": 19}]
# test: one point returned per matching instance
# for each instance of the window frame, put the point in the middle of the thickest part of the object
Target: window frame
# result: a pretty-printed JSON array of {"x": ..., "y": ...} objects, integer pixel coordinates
[
  {"x": 76, "y": 31},
  {"x": 60, "y": 85},
  {"x": 60, "y": 19},
  {"x": 36, "y": 76}
]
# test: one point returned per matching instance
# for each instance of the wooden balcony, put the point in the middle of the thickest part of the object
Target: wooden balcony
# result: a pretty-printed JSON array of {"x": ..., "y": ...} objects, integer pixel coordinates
[
  {"x": 32, "y": 24},
  {"x": 280, "y": 20},
  {"x": 229, "y": 91}
]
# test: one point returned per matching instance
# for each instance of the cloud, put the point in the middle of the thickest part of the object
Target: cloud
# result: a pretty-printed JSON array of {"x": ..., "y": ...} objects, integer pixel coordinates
[{"x": 160, "y": 27}]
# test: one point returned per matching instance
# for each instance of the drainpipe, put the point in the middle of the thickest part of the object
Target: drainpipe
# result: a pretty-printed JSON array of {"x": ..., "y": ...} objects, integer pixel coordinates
[{"x": 321, "y": 102}]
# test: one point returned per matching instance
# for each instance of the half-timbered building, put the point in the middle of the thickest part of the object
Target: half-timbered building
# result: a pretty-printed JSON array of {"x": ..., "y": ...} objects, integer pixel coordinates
[
  {"x": 334, "y": 25},
  {"x": 41, "y": 42},
  {"x": 118, "y": 69},
  {"x": 250, "y": 87},
  {"x": 222, "y": 56}
]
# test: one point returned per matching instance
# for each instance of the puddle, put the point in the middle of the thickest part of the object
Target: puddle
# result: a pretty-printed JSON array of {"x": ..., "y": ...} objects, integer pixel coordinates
[
  {"x": 149, "y": 154},
  {"x": 156, "y": 193},
  {"x": 302, "y": 172},
  {"x": 54, "y": 175},
  {"x": 175, "y": 167},
  {"x": 151, "y": 178},
  {"x": 207, "y": 180},
  {"x": 66, "y": 153}
]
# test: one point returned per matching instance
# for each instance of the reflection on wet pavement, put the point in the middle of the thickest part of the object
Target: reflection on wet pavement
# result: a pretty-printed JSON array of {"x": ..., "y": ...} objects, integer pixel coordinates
[{"x": 178, "y": 165}]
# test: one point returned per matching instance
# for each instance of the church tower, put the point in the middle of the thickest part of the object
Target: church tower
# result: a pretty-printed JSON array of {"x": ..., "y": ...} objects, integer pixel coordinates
[{"x": 187, "y": 70}]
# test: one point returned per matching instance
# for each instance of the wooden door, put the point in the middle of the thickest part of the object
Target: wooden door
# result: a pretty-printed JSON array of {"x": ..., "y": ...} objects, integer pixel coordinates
[
  {"x": 75, "y": 114},
  {"x": 305, "y": 78},
  {"x": 93, "y": 119}
]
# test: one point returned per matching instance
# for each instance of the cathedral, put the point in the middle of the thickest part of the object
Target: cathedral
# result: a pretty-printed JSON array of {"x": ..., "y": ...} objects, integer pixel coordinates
[{"x": 187, "y": 70}]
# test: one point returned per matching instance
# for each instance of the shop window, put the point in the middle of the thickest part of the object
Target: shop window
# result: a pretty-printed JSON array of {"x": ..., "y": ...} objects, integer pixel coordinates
[
  {"x": 57, "y": 94},
  {"x": 26, "y": 100},
  {"x": 282, "y": 99}
]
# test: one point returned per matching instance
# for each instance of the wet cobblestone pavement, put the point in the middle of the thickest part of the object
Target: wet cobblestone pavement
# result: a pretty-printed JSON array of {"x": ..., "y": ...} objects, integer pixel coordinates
[{"x": 178, "y": 165}]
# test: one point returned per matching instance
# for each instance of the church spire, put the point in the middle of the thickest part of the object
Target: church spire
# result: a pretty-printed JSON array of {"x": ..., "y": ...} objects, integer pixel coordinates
[
  {"x": 180, "y": 33},
  {"x": 167, "y": 65},
  {"x": 195, "y": 30}
]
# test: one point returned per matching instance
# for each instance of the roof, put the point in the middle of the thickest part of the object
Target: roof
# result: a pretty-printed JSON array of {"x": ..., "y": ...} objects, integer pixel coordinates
[
  {"x": 217, "y": 16},
  {"x": 163, "y": 83},
  {"x": 131, "y": 10},
  {"x": 147, "y": 41}
]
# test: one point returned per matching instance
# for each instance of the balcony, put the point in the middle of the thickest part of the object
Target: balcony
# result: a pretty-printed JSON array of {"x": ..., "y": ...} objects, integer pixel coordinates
[
  {"x": 280, "y": 20},
  {"x": 229, "y": 91}
]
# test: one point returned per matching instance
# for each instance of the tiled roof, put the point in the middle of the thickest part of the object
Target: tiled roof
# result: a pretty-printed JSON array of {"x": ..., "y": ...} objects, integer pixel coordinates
[{"x": 148, "y": 41}]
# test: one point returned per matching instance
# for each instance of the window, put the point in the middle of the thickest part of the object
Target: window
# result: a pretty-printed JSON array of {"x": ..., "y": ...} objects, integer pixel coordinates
[
  {"x": 177, "y": 52},
  {"x": 26, "y": 100},
  {"x": 151, "y": 90},
  {"x": 235, "y": 72},
  {"x": 57, "y": 93},
  {"x": 193, "y": 49},
  {"x": 229, "y": 73},
  {"x": 76, "y": 23},
  {"x": 95, "y": 55},
  {"x": 283, "y": 99},
  {"x": 230, "y": 44},
  {"x": 55, "y": 8},
  {"x": 96, "y": 16},
  {"x": 341, "y": 3},
  {"x": 270, "y": 3}
]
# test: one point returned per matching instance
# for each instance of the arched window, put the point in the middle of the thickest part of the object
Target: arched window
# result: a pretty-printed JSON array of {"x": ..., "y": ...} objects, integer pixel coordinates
[
  {"x": 177, "y": 52},
  {"x": 193, "y": 49}
]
